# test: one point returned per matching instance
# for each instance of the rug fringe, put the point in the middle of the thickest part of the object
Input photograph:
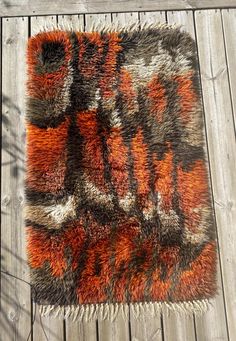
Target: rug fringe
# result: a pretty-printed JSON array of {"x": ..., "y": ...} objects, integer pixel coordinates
[
  {"x": 109, "y": 311},
  {"x": 102, "y": 27}
]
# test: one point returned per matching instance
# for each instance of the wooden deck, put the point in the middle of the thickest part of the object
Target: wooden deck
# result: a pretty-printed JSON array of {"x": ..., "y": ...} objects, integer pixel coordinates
[{"x": 214, "y": 31}]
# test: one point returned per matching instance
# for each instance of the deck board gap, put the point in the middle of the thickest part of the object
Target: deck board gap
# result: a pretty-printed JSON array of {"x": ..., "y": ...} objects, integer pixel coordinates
[
  {"x": 209, "y": 161},
  {"x": 162, "y": 327},
  {"x": 210, "y": 173},
  {"x": 227, "y": 64},
  {"x": 195, "y": 327},
  {"x": 15, "y": 9}
]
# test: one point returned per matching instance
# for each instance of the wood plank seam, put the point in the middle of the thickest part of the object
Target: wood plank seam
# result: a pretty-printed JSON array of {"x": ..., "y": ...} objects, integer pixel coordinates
[
  {"x": 11, "y": 8},
  {"x": 15, "y": 299},
  {"x": 212, "y": 190},
  {"x": 227, "y": 63},
  {"x": 208, "y": 156},
  {"x": 207, "y": 147}
]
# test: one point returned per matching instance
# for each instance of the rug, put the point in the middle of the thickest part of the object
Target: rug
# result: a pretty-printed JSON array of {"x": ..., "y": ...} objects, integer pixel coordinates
[{"x": 118, "y": 209}]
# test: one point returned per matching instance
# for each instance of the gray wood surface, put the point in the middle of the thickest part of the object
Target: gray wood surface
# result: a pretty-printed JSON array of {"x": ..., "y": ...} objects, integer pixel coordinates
[
  {"x": 229, "y": 27},
  {"x": 45, "y": 7},
  {"x": 15, "y": 292},
  {"x": 222, "y": 147},
  {"x": 216, "y": 315},
  {"x": 214, "y": 31},
  {"x": 186, "y": 19}
]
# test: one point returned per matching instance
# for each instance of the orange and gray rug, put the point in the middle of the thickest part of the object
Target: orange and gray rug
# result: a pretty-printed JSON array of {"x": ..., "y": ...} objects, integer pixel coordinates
[{"x": 118, "y": 208}]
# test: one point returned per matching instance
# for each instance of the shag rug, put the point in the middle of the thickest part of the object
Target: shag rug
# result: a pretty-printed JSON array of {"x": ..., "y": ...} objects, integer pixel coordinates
[{"x": 118, "y": 207}]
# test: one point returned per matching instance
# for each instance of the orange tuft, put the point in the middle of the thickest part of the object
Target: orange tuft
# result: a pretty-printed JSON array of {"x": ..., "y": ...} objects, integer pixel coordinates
[
  {"x": 199, "y": 280},
  {"x": 117, "y": 154},
  {"x": 46, "y": 156},
  {"x": 187, "y": 95},
  {"x": 164, "y": 181},
  {"x": 193, "y": 192},
  {"x": 141, "y": 172},
  {"x": 157, "y": 97}
]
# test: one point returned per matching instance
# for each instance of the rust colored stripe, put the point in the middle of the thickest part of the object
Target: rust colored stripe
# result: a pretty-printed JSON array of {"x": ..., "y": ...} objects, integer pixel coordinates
[
  {"x": 109, "y": 66},
  {"x": 157, "y": 97},
  {"x": 142, "y": 263},
  {"x": 164, "y": 181},
  {"x": 124, "y": 245},
  {"x": 126, "y": 89},
  {"x": 141, "y": 173},
  {"x": 117, "y": 155},
  {"x": 92, "y": 162},
  {"x": 96, "y": 273},
  {"x": 46, "y": 156},
  {"x": 193, "y": 192},
  {"x": 43, "y": 247},
  {"x": 187, "y": 96},
  {"x": 168, "y": 258},
  {"x": 199, "y": 279}
]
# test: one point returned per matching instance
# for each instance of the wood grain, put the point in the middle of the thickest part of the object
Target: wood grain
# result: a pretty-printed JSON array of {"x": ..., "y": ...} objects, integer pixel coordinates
[
  {"x": 222, "y": 149},
  {"x": 72, "y": 21},
  {"x": 229, "y": 27},
  {"x": 15, "y": 290},
  {"x": 45, "y": 7}
]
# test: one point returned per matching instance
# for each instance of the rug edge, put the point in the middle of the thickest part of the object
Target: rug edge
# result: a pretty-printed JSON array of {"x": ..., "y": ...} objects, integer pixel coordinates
[
  {"x": 109, "y": 311},
  {"x": 101, "y": 27}
]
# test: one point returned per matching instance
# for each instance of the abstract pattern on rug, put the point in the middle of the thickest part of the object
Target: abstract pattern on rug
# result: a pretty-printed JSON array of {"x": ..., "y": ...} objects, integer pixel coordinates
[{"x": 118, "y": 205}]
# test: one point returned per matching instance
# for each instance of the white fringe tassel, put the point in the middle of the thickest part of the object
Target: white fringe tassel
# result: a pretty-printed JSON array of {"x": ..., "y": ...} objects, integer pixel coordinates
[
  {"x": 99, "y": 26},
  {"x": 109, "y": 311}
]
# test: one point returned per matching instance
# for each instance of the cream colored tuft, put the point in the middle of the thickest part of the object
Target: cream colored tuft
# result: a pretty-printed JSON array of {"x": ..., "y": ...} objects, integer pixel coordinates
[
  {"x": 109, "y": 311},
  {"x": 99, "y": 26}
]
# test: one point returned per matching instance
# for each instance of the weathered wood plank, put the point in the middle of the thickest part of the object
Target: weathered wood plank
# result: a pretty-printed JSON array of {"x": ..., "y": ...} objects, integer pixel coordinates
[
  {"x": 147, "y": 327},
  {"x": 45, "y": 7},
  {"x": 92, "y": 20},
  {"x": 52, "y": 327},
  {"x": 125, "y": 18},
  {"x": 38, "y": 23},
  {"x": 222, "y": 148},
  {"x": 216, "y": 314},
  {"x": 152, "y": 17},
  {"x": 15, "y": 322},
  {"x": 72, "y": 21},
  {"x": 212, "y": 325},
  {"x": 229, "y": 26},
  {"x": 183, "y": 18},
  {"x": 82, "y": 331}
]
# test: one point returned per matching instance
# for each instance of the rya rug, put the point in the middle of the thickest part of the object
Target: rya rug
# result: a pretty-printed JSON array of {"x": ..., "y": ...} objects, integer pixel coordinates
[{"x": 118, "y": 209}]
